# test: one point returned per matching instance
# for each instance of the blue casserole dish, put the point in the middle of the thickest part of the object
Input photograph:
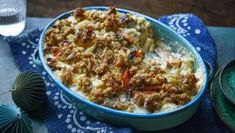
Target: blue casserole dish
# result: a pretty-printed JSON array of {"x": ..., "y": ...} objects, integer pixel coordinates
[{"x": 151, "y": 121}]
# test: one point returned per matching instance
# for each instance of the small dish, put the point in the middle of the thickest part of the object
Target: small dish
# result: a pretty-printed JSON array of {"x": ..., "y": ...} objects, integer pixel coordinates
[
  {"x": 227, "y": 81},
  {"x": 222, "y": 106}
]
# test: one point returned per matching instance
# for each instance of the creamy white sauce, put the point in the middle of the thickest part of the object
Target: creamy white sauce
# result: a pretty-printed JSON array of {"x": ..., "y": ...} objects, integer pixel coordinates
[
  {"x": 96, "y": 82},
  {"x": 168, "y": 107},
  {"x": 200, "y": 75},
  {"x": 74, "y": 88},
  {"x": 153, "y": 58},
  {"x": 140, "y": 110},
  {"x": 72, "y": 19}
]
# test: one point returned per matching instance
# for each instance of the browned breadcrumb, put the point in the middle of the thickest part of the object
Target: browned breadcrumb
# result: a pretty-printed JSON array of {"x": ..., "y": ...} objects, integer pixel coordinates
[
  {"x": 67, "y": 76},
  {"x": 79, "y": 14},
  {"x": 112, "y": 23}
]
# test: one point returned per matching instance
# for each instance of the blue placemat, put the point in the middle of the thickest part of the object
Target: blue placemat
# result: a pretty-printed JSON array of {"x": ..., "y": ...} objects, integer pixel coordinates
[{"x": 62, "y": 116}]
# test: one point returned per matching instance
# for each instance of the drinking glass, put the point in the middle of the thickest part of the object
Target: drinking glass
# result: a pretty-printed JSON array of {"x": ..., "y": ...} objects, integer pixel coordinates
[{"x": 12, "y": 17}]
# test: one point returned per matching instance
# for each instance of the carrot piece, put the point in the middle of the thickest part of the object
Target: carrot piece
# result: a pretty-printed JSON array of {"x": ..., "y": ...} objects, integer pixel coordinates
[
  {"x": 126, "y": 78},
  {"x": 119, "y": 63},
  {"x": 128, "y": 39},
  {"x": 139, "y": 53},
  {"x": 57, "y": 54}
]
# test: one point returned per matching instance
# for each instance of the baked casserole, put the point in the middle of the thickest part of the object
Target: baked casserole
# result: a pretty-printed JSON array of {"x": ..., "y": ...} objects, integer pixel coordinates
[{"x": 116, "y": 60}]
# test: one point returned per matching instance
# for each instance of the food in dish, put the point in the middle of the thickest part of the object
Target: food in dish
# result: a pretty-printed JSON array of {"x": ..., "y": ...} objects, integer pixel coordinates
[{"x": 115, "y": 60}]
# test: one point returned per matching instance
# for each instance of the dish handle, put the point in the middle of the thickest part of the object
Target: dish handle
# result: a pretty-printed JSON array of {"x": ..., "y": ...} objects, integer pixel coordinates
[
  {"x": 210, "y": 70},
  {"x": 36, "y": 59}
]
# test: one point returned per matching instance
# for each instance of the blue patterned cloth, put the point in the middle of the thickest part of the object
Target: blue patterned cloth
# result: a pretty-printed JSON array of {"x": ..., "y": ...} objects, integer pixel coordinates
[{"x": 62, "y": 116}]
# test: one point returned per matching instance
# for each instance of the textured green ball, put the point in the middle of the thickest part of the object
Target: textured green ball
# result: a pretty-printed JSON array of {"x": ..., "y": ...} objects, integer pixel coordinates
[
  {"x": 29, "y": 91},
  {"x": 14, "y": 120}
]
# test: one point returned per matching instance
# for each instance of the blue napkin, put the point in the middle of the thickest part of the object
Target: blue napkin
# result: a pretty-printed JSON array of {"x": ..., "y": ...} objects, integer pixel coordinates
[{"x": 63, "y": 116}]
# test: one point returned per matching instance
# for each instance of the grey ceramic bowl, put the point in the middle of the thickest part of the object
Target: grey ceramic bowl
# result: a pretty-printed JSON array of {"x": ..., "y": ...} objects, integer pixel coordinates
[{"x": 151, "y": 121}]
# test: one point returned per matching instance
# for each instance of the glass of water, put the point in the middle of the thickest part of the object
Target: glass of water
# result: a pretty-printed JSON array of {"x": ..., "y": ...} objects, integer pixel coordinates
[{"x": 12, "y": 17}]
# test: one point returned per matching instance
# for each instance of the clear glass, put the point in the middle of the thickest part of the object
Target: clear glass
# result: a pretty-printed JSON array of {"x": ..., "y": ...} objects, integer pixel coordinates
[{"x": 12, "y": 17}]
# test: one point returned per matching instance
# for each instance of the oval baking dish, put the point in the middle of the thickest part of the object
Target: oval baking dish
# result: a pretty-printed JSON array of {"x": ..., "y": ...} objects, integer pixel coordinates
[{"x": 150, "y": 121}]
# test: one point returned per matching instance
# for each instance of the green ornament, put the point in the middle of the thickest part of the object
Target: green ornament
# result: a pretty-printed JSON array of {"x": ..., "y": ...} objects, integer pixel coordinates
[
  {"x": 14, "y": 120},
  {"x": 29, "y": 91}
]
